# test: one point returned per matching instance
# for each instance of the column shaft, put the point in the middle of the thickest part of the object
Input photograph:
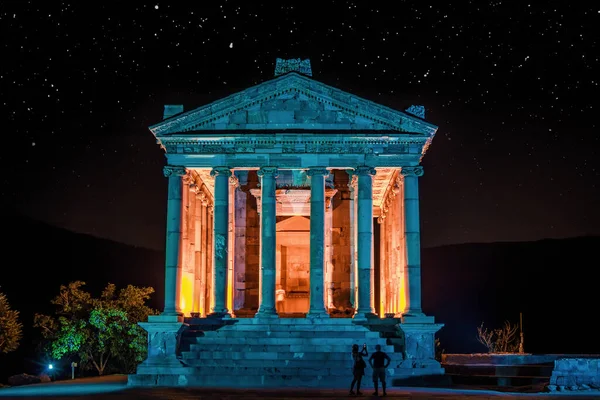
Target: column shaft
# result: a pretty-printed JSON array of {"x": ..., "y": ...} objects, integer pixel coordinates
[
  {"x": 220, "y": 240},
  {"x": 268, "y": 249},
  {"x": 365, "y": 241},
  {"x": 173, "y": 254},
  {"x": 317, "y": 241},
  {"x": 351, "y": 224},
  {"x": 413, "y": 240}
]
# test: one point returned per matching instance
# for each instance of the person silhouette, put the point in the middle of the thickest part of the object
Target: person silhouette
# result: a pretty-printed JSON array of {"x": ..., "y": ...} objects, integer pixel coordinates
[
  {"x": 358, "y": 367},
  {"x": 379, "y": 364}
]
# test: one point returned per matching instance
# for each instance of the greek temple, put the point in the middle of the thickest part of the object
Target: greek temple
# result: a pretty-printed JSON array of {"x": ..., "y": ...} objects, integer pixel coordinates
[{"x": 292, "y": 233}]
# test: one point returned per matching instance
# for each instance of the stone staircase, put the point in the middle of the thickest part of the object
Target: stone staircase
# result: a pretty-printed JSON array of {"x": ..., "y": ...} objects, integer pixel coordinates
[{"x": 279, "y": 352}]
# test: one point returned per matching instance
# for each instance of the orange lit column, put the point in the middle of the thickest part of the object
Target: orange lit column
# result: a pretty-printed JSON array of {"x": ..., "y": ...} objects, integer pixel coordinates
[
  {"x": 220, "y": 240},
  {"x": 268, "y": 233},
  {"x": 173, "y": 255},
  {"x": 412, "y": 277},
  {"x": 365, "y": 241},
  {"x": 317, "y": 241}
]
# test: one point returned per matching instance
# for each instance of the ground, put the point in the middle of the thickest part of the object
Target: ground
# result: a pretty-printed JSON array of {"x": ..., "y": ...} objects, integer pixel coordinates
[{"x": 114, "y": 388}]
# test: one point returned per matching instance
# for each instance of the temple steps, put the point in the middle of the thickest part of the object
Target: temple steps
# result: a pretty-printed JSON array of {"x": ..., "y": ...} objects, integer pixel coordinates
[
  {"x": 309, "y": 362},
  {"x": 286, "y": 334},
  {"x": 239, "y": 371},
  {"x": 297, "y": 341},
  {"x": 282, "y": 357},
  {"x": 278, "y": 352}
]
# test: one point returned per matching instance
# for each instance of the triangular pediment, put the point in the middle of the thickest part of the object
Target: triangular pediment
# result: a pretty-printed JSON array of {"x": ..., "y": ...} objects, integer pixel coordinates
[{"x": 292, "y": 101}]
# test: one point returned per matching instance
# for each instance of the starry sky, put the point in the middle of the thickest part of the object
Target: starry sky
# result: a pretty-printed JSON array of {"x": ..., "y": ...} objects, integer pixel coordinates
[{"x": 512, "y": 85}]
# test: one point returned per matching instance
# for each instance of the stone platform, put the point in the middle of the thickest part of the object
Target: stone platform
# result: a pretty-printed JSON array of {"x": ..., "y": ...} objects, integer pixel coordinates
[{"x": 282, "y": 352}]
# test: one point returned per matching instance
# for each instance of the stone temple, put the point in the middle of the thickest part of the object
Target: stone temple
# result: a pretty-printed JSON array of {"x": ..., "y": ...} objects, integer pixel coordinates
[{"x": 292, "y": 233}]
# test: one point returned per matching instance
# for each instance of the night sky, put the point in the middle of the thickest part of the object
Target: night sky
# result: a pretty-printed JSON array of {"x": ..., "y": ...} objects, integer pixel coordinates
[{"x": 512, "y": 85}]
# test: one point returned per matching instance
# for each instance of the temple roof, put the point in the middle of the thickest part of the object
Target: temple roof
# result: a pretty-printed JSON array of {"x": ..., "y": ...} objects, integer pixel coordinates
[{"x": 292, "y": 101}]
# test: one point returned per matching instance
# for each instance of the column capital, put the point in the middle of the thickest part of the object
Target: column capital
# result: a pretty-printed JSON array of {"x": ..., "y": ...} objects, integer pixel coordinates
[
  {"x": 313, "y": 171},
  {"x": 234, "y": 181},
  {"x": 221, "y": 171},
  {"x": 189, "y": 180},
  {"x": 268, "y": 171},
  {"x": 364, "y": 170},
  {"x": 412, "y": 171},
  {"x": 200, "y": 195},
  {"x": 174, "y": 170}
]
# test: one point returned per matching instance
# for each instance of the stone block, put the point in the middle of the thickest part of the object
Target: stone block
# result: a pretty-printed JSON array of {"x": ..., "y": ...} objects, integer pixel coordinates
[
  {"x": 238, "y": 118},
  {"x": 303, "y": 116},
  {"x": 280, "y": 117},
  {"x": 311, "y": 105},
  {"x": 257, "y": 117},
  {"x": 291, "y": 104},
  {"x": 327, "y": 117}
]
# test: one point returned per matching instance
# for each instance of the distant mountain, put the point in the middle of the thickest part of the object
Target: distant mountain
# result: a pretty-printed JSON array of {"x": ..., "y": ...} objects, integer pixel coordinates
[
  {"x": 550, "y": 281},
  {"x": 38, "y": 258}
]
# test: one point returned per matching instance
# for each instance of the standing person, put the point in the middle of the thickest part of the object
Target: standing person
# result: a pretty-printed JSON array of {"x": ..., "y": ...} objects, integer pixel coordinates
[
  {"x": 358, "y": 367},
  {"x": 379, "y": 364}
]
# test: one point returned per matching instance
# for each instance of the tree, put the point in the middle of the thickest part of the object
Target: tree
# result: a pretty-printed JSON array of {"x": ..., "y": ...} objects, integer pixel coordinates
[
  {"x": 102, "y": 332},
  {"x": 501, "y": 340},
  {"x": 11, "y": 329}
]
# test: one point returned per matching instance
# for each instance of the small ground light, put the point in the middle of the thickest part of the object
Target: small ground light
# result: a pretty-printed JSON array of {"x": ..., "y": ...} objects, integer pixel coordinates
[{"x": 50, "y": 366}]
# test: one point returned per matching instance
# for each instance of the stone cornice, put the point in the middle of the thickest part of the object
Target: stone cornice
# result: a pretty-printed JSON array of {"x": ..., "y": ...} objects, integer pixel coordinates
[
  {"x": 293, "y": 83},
  {"x": 225, "y": 143}
]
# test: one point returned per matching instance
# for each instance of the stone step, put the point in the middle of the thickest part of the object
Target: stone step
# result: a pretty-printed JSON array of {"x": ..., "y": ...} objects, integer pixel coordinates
[
  {"x": 317, "y": 352},
  {"x": 295, "y": 348},
  {"x": 280, "y": 359},
  {"x": 287, "y": 327},
  {"x": 299, "y": 383},
  {"x": 293, "y": 334},
  {"x": 235, "y": 372},
  {"x": 371, "y": 342},
  {"x": 261, "y": 347},
  {"x": 280, "y": 363}
]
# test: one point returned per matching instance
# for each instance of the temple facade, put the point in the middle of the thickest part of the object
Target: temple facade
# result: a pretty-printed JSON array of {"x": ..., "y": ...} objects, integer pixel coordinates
[{"x": 290, "y": 204}]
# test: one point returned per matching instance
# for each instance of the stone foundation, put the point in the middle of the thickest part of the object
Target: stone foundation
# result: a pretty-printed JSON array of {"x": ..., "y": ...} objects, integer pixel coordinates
[
  {"x": 291, "y": 352},
  {"x": 575, "y": 374}
]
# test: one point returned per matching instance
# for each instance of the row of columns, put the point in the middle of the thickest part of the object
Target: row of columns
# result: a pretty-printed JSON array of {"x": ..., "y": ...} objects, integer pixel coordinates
[{"x": 268, "y": 175}]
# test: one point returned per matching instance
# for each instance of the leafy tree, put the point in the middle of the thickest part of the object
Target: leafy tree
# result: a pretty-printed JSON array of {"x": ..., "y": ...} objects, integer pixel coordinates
[
  {"x": 102, "y": 332},
  {"x": 11, "y": 329}
]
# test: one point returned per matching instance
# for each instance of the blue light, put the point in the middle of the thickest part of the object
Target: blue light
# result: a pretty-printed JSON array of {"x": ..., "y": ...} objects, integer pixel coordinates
[{"x": 50, "y": 366}]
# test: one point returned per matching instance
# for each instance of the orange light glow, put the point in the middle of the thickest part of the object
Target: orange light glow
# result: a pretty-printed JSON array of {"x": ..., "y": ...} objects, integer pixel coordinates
[{"x": 187, "y": 293}]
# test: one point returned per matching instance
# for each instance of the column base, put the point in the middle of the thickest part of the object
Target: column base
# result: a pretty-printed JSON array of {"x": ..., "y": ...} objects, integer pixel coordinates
[
  {"x": 419, "y": 338},
  {"x": 222, "y": 315},
  {"x": 317, "y": 315},
  {"x": 164, "y": 333},
  {"x": 362, "y": 316},
  {"x": 267, "y": 313},
  {"x": 417, "y": 318}
]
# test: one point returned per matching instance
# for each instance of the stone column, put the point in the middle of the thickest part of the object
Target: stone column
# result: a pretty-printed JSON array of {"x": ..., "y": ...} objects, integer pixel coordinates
[
  {"x": 202, "y": 200},
  {"x": 351, "y": 226},
  {"x": 220, "y": 240},
  {"x": 317, "y": 241},
  {"x": 365, "y": 241},
  {"x": 268, "y": 249},
  {"x": 196, "y": 237},
  {"x": 233, "y": 184},
  {"x": 413, "y": 241},
  {"x": 173, "y": 253},
  {"x": 164, "y": 330}
]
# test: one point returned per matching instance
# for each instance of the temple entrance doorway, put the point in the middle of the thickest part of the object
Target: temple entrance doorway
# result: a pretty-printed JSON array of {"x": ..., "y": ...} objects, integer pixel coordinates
[{"x": 293, "y": 266}]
